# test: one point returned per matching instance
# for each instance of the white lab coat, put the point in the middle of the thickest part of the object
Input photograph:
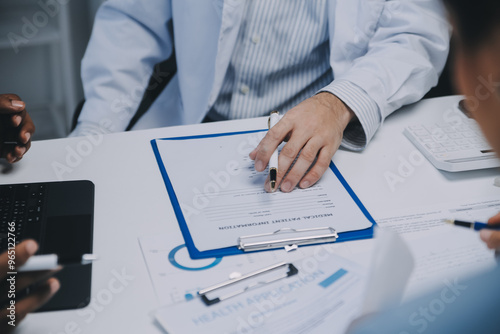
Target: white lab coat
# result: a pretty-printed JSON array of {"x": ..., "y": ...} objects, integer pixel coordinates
[{"x": 391, "y": 51}]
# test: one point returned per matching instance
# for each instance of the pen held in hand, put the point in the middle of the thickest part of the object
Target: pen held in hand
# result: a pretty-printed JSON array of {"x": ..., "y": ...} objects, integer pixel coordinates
[
  {"x": 476, "y": 226},
  {"x": 273, "y": 161},
  {"x": 52, "y": 261}
]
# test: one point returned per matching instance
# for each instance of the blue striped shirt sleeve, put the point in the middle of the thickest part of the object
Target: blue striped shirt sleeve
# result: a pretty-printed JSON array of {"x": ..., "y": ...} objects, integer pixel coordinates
[{"x": 359, "y": 132}]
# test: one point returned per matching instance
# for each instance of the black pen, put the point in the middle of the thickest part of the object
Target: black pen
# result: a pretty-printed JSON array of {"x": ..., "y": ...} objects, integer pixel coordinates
[{"x": 476, "y": 226}]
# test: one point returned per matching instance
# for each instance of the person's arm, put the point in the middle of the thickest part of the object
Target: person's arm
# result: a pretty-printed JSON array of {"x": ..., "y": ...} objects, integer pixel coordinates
[
  {"x": 128, "y": 39},
  {"x": 16, "y": 128},
  {"x": 36, "y": 298},
  {"x": 404, "y": 55},
  {"x": 492, "y": 238}
]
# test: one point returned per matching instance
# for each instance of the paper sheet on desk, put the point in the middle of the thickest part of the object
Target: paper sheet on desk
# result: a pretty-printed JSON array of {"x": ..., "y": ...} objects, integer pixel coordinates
[
  {"x": 322, "y": 298},
  {"x": 443, "y": 253},
  {"x": 222, "y": 197},
  {"x": 177, "y": 278}
]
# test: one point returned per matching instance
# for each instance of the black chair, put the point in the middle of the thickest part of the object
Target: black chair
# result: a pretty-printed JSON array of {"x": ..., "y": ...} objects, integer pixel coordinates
[
  {"x": 445, "y": 84},
  {"x": 162, "y": 74}
]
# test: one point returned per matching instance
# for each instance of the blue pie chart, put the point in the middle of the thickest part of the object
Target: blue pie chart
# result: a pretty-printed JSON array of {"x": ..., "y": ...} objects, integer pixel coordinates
[{"x": 173, "y": 261}]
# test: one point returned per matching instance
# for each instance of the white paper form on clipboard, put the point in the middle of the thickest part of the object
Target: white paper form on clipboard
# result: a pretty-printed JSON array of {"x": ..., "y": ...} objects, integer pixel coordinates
[{"x": 219, "y": 199}]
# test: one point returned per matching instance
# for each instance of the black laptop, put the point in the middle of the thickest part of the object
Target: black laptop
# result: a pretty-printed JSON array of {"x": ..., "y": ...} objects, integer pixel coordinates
[{"x": 60, "y": 216}]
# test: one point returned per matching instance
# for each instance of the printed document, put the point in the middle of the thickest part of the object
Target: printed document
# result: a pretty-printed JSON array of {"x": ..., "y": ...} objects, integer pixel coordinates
[
  {"x": 443, "y": 253},
  {"x": 222, "y": 197},
  {"x": 177, "y": 278},
  {"x": 323, "y": 297}
]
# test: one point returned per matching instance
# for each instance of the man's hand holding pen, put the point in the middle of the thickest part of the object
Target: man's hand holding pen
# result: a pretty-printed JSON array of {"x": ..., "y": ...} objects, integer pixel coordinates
[{"x": 313, "y": 131}]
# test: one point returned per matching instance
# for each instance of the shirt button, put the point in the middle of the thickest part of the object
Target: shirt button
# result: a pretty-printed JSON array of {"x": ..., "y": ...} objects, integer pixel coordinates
[
  {"x": 244, "y": 89},
  {"x": 255, "y": 39}
]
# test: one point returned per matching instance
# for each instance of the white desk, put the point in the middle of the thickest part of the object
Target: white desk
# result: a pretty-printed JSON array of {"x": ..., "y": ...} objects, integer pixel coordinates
[{"x": 131, "y": 201}]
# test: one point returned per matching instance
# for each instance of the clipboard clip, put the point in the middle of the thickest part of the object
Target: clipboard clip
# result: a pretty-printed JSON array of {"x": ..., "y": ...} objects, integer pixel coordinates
[
  {"x": 287, "y": 238},
  {"x": 292, "y": 270}
]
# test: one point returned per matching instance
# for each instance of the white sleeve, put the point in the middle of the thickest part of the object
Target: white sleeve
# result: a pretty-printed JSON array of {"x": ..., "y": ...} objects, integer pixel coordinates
[
  {"x": 129, "y": 37},
  {"x": 403, "y": 60}
]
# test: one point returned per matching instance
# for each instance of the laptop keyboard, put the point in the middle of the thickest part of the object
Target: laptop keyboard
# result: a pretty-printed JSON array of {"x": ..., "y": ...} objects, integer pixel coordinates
[{"x": 23, "y": 205}]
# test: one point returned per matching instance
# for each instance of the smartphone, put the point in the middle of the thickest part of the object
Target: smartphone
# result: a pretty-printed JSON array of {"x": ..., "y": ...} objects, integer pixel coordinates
[{"x": 9, "y": 135}]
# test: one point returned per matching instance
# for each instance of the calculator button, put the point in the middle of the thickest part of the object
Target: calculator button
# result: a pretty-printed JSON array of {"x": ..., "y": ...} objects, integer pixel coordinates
[
  {"x": 455, "y": 135},
  {"x": 441, "y": 137},
  {"x": 469, "y": 134},
  {"x": 461, "y": 142},
  {"x": 436, "y": 130},
  {"x": 421, "y": 133},
  {"x": 438, "y": 150},
  {"x": 432, "y": 127},
  {"x": 448, "y": 144},
  {"x": 415, "y": 127},
  {"x": 426, "y": 140},
  {"x": 475, "y": 141},
  {"x": 433, "y": 145}
]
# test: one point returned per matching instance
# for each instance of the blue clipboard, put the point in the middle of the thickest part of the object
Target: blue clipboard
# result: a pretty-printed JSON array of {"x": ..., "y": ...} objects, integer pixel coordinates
[{"x": 194, "y": 253}]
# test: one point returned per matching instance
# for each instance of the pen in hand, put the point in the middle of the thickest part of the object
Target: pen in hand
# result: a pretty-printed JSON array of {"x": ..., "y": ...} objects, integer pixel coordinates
[
  {"x": 477, "y": 226},
  {"x": 52, "y": 261},
  {"x": 273, "y": 161}
]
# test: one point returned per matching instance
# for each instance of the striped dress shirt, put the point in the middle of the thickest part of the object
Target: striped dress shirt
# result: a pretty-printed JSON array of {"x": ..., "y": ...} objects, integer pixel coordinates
[{"x": 281, "y": 57}]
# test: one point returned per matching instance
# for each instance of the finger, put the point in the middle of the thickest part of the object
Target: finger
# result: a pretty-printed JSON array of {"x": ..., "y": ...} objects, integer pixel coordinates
[
  {"x": 18, "y": 152},
  {"x": 491, "y": 238},
  {"x": 22, "y": 253},
  {"x": 39, "y": 297},
  {"x": 26, "y": 279},
  {"x": 4, "y": 325},
  {"x": 304, "y": 162},
  {"x": 16, "y": 120},
  {"x": 495, "y": 219},
  {"x": 11, "y": 158},
  {"x": 269, "y": 143},
  {"x": 15, "y": 155},
  {"x": 26, "y": 131},
  {"x": 320, "y": 166},
  {"x": 11, "y": 103},
  {"x": 267, "y": 185},
  {"x": 253, "y": 154},
  {"x": 286, "y": 158}
]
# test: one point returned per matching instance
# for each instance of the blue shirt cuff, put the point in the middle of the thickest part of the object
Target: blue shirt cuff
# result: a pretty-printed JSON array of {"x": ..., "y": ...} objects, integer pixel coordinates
[{"x": 359, "y": 132}]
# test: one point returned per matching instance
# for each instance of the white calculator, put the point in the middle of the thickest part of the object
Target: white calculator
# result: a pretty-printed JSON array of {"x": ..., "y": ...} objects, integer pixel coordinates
[{"x": 454, "y": 146}]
